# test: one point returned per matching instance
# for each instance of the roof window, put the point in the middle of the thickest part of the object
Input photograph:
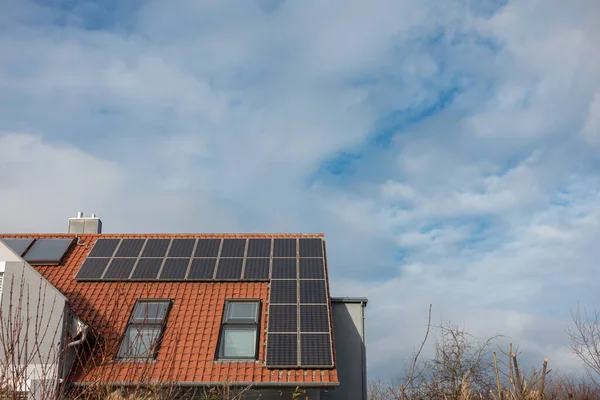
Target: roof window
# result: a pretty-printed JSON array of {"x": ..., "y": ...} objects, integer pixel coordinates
[
  {"x": 239, "y": 330},
  {"x": 144, "y": 330}
]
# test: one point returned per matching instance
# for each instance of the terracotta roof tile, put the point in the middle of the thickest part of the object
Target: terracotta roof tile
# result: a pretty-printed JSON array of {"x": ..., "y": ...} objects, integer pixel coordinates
[{"x": 187, "y": 351}]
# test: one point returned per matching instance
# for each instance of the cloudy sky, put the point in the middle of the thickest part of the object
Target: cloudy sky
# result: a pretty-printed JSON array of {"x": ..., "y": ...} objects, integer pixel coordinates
[{"x": 449, "y": 150}]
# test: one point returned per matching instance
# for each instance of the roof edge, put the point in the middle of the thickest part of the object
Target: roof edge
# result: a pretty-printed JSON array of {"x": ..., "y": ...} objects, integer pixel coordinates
[
  {"x": 171, "y": 234},
  {"x": 362, "y": 300},
  {"x": 254, "y": 385}
]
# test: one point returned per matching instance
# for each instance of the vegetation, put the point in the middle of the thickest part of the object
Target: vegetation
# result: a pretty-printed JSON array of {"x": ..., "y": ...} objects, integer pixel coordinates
[
  {"x": 464, "y": 368},
  {"x": 461, "y": 368}
]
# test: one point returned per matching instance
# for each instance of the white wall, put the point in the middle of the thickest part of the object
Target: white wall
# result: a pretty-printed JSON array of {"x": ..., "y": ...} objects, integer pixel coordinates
[{"x": 32, "y": 315}]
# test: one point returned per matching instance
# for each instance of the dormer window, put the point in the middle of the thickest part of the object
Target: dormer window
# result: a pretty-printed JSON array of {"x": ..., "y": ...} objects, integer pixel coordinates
[
  {"x": 239, "y": 330},
  {"x": 144, "y": 330}
]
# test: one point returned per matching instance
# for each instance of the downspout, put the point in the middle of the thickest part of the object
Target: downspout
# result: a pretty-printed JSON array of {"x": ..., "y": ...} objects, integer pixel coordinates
[
  {"x": 363, "y": 351},
  {"x": 83, "y": 338}
]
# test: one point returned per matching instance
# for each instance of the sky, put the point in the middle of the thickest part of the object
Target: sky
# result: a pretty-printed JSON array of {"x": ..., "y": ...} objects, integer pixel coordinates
[{"x": 448, "y": 150}]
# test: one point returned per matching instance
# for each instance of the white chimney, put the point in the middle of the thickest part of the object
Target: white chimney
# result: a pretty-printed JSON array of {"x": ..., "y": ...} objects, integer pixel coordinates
[{"x": 82, "y": 224}]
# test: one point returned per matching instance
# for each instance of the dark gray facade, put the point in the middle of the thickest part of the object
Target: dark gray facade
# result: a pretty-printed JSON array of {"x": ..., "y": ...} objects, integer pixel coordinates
[{"x": 350, "y": 350}]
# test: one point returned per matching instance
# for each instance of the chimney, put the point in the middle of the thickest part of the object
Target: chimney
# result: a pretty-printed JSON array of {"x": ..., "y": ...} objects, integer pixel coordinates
[{"x": 81, "y": 224}]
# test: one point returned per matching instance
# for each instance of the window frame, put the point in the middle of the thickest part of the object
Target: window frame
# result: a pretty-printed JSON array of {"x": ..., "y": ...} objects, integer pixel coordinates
[
  {"x": 124, "y": 354},
  {"x": 239, "y": 324}
]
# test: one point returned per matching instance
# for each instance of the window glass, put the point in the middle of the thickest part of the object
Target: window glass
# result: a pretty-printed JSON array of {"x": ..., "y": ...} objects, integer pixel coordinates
[
  {"x": 239, "y": 343},
  {"x": 139, "y": 341},
  {"x": 149, "y": 312},
  {"x": 242, "y": 311}
]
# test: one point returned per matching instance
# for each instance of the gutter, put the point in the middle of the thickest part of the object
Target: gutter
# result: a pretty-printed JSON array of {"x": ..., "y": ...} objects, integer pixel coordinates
[{"x": 254, "y": 385}]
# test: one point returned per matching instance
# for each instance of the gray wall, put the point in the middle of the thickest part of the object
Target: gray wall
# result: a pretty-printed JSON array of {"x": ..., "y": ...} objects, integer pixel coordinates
[{"x": 350, "y": 350}]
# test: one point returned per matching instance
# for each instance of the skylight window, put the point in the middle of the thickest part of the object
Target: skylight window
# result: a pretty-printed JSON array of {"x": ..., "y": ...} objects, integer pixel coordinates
[
  {"x": 239, "y": 331},
  {"x": 144, "y": 330}
]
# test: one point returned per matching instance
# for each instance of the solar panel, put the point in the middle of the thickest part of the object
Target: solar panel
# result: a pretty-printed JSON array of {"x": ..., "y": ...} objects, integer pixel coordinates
[
  {"x": 283, "y": 318},
  {"x": 315, "y": 350},
  {"x": 312, "y": 268},
  {"x": 259, "y": 248},
  {"x": 18, "y": 245},
  {"x": 207, "y": 248},
  {"x": 311, "y": 247},
  {"x": 233, "y": 248},
  {"x": 202, "y": 268},
  {"x": 314, "y": 318},
  {"x": 130, "y": 248},
  {"x": 104, "y": 248},
  {"x": 174, "y": 268},
  {"x": 284, "y": 268},
  {"x": 313, "y": 291},
  {"x": 147, "y": 268},
  {"x": 47, "y": 251},
  {"x": 182, "y": 247},
  {"x": 119, "y": 269},
  {"x": 282, "y": 350},
  {"x": 156, "y": 247},
  {"x": 92, "y": 268},
  {"x": 256, "y": 268},
  {"x": 284, "y": 248},
  {"x": 283, "y": 291},
  {"x": 230, "y": 268}
]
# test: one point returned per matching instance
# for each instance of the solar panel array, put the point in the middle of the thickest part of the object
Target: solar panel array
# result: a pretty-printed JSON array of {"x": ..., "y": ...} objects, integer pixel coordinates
[
  {"x": 299, "y": 327},
  {"x": 187, "y": 259},
  {"x": 40, "y": 251}
]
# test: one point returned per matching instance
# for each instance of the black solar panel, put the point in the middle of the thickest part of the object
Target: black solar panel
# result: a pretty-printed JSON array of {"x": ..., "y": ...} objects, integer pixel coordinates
[
  {"x": 282, "y": 350},
  {"x": 257, "y": 268},
  {"x": 47, "y": 251},
  {"x": 315, "y": 350},
  {"x": 284, "y": 248},
  {"x": 314, "y": 318},
  {"x": 311, "y": 247},
  {"x": 156, "y": 247},
  {"x": 175, "y": 268},
  {"x": 92, "y": 268},
  {"x": 104, "y": 248},
  {"x": 207, "y": 248},
  {"x": 18, "y": 245},
  {"x": 119, "y": 268},
  {"x": 130, "y": 248},
  {"x": 230, "y": 268},
  {"x": 259, "y": 248},
  {"x": 202, "y": 268},
  {"x": 182, "y": 247},
  {"x": 283, "y": 291},
  {"x": 283, "y": 318},
  {"x": 312, "y": 268},
  {"x": 313, "y": 291},
  {"x": 147, "y": 268},
  {"x": 284, "y": 268},
  {"x": 233, "y": 248}
]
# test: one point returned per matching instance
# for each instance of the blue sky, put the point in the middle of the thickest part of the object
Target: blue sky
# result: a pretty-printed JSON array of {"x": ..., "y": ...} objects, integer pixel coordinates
[{"x": 448, "y": 150}]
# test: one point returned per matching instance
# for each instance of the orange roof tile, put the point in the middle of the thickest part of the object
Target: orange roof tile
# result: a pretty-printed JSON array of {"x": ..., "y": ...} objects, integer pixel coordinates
[{"x": 187, "y": 350}]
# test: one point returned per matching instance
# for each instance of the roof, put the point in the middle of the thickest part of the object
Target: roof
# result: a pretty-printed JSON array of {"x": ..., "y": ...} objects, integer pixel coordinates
[{"x": 187, "y": 350}]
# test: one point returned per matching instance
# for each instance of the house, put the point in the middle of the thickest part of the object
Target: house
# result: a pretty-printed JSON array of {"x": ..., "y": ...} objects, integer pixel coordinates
[{"x": 181, "y": 313}]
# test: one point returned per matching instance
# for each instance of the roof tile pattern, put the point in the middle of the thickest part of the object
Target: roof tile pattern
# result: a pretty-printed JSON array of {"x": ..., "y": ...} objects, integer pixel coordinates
[{"x": 189, "y": 343}]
